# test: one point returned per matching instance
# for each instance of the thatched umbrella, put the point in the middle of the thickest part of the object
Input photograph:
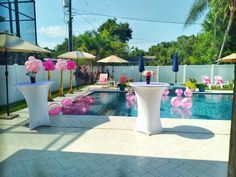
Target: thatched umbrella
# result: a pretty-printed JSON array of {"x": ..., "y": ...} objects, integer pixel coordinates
[
  {"x": 112, "y": 59},
  {"x": 10, "y": 43},
  {"x": 76, "y": 55}
]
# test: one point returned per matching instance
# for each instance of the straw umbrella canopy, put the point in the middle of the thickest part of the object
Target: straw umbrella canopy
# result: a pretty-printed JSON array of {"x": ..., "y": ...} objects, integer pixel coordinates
[
  {"x": 77, "y": 55},
  {"x": 112, "y": 59},
  {"x": 10, "y": 43},
  {"x": 232, "y": 147}
]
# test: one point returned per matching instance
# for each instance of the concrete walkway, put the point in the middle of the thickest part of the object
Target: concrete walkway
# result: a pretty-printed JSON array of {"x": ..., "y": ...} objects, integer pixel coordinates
[{"x": 106, "y": 146}]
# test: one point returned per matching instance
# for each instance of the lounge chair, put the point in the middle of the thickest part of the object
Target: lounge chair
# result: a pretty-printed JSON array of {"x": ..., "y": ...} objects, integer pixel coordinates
[
  {"x": 103, "y": 78},
  {"x": 220, "y": 81},
  {"x": 206, "y": 80}
]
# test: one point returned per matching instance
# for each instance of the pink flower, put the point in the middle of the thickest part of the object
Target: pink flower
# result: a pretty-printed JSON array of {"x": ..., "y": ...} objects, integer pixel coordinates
[
  {"x": 61, "y": 65},
  {"x": 33, "y": 64},
  {"x": 48, "y": 65},
  {"x": 122, "y": 79},
  {"x": 148, "y": 73},
  {"x": 71, "y": 65}
]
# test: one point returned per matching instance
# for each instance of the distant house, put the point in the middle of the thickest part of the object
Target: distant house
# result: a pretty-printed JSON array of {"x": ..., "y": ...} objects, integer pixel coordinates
[{"x": 134, "y": 60}]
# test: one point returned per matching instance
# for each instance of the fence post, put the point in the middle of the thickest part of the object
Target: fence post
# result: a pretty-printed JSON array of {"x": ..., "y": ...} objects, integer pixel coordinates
[
  {"x": 158, "y": 69},
  {"x": 184, "y": 74},
  {"x": 212, "y": 72}
]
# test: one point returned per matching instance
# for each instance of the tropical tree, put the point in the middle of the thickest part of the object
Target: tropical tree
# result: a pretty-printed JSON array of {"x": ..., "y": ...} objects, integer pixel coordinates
[{"x": 216, "y": 7}]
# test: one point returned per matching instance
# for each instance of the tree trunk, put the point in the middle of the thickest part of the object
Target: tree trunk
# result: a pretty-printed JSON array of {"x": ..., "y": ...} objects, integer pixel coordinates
[
  {"x": 232, "y": 145},
  {"x": 227, "y": 31}
]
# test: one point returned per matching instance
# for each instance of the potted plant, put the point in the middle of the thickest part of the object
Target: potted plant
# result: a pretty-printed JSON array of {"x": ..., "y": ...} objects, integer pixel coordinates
[
  {"x": 201, "y": 87},
  {"x": 191, "y": 84},
  {"x": 122, "y": 82}
]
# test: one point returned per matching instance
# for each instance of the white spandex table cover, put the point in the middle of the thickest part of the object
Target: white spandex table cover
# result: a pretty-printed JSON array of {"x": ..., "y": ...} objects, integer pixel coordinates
[
  {"x": 36, "y": 95},
  {"x": 148, "y": 100}
]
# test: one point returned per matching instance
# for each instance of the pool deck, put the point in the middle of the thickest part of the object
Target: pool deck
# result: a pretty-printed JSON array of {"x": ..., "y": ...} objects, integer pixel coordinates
[{"x": 104, "y": 146}]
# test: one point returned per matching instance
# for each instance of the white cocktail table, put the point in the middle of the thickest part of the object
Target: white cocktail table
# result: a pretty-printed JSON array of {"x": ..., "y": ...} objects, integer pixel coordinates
[
  {"x": 148, "y": 101},
  {"x": 36, "y": 96}
]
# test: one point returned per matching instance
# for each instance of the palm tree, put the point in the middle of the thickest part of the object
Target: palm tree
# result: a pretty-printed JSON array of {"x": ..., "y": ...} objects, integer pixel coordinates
[
  {"x": 199, "y": 7},
  {"x": 229, "y": 8}
]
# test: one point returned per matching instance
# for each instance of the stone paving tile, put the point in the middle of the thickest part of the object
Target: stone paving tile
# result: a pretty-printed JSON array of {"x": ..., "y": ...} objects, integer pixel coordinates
[{"x": 108, "y": 147}]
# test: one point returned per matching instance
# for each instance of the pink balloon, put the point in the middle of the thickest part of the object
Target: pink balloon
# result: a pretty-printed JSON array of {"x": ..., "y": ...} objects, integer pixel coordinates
[
  {"x": 67, "y": 102},
  {"x": 176, "y": 101},
  {"x": 54, "y": 109},
  {"x": 179, "y": 92},
  {"x": 130, "y": 96},
  {"x": 75, "y": 109},
  {"x": 48, "y": 65},
  {"x": 86, "y": 100},
  {"x": 33, "y": 64},
  {"x": 61, "y": 65},
  {"x": 188, "y": 92},
  {"x": 71, "y": 65},
  {"x": 129, "y": 103},
  {"x": 186, "y": 103},
  {"x": 166, "y": 92},
  {"x": 164, "y": 98}
]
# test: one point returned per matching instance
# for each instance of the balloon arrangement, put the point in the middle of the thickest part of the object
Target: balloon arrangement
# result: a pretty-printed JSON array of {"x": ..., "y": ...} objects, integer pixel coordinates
[
  {"x": 130, "y": 100},
  {"x": 165, "y": 96},
  {"x": 71, "y": 65},
  {"x": 49, "y": 66},
  {"x": 32, "y": 67},
  {"x": 61, "y": 65},
  {"x": 185, "y": 103}
]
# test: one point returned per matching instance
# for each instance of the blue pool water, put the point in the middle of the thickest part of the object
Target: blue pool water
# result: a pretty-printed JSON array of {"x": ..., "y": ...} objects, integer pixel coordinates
[{"x": 204, "y": 106}]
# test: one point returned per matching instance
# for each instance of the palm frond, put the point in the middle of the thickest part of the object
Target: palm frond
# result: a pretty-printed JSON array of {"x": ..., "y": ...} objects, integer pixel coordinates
[{"x": 197, "y": 10}]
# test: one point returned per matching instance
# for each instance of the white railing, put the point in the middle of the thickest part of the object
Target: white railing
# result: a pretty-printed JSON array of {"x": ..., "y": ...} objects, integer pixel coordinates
[{"x": 162, "y": 74}]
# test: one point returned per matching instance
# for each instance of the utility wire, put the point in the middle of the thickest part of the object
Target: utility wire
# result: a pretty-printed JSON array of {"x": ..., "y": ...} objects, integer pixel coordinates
[
  {"x": 135, "y": 19},
  {"x": 87, "y": 21}
]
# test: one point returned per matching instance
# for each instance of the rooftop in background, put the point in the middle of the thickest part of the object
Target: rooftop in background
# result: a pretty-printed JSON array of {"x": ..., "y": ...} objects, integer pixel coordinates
[{"x": 134, "y": 60}]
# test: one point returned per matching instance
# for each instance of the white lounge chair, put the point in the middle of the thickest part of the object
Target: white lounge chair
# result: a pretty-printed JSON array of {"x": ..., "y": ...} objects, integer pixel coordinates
[
  {"x": 220, "y": 81},
  {"x": 103, "y": 78},
  {"x": 206, "y": 80}
]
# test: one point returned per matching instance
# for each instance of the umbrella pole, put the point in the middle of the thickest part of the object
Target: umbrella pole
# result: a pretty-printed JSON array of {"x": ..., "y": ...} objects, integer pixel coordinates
[
  {"x": 6, "y": 74},
  {"x": 175, "y": 77},
  {"x": 8, "y": 115},
  {"x": 232, "y": 145},
  {"x": 70, "y": 91},
  {"x": 113, "y": 72},
  {"x": 49, "y": 91}
]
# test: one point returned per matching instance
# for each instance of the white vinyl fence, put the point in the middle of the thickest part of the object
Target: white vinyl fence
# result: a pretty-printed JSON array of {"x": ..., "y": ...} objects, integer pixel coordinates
[{"x": 162, "y": 74}]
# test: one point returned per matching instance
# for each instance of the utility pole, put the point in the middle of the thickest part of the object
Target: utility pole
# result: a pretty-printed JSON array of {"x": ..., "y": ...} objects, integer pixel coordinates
[
  {"x": 70, "y": 40},
  {"x": 67, "y": 5}
]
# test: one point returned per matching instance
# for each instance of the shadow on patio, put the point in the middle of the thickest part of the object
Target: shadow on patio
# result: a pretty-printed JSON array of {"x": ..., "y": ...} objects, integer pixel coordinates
[{"x": 42, "y": 163}]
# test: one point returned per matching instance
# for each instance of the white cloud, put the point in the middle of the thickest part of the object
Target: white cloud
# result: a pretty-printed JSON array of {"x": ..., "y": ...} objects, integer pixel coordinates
[{"x": 53, "y": 31}]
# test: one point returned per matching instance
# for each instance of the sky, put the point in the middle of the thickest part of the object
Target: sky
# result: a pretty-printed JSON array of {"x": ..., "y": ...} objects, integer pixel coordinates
[{"x": 152, "y": 21}]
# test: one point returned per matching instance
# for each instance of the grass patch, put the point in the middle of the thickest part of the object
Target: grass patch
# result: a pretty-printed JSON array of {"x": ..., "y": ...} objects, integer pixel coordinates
[{"x": 16, "y": 106}]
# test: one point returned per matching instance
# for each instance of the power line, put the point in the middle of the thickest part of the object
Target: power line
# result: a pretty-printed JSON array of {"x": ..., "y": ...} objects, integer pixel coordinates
[
  {"x": 87, "y": 21},
  {"x": 135, "y": 19}
]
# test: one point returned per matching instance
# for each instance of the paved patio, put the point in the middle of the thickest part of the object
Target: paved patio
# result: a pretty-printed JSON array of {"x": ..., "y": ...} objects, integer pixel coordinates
[{"x": 108, "y": 146}]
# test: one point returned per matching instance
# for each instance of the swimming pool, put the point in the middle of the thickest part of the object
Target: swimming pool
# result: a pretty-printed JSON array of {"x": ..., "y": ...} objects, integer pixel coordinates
[{"x": 204, "y": 106}]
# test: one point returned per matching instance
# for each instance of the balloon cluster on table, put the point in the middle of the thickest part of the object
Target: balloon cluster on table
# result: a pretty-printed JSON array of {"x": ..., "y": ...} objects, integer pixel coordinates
[
  {"x": 68, "y": 106},
  {"x": 32, "y": 67},
  {"x": 184, "y": 103}
]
